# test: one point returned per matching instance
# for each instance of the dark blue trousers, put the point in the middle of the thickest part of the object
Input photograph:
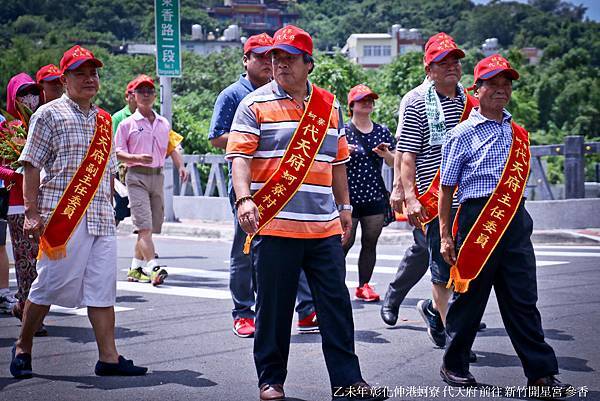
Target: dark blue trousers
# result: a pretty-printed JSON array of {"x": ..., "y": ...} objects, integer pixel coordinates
[
  {"x": 241, "y": 277},
  {"x": 511, "y": 270},
  {"x": 278, "y": 262}
]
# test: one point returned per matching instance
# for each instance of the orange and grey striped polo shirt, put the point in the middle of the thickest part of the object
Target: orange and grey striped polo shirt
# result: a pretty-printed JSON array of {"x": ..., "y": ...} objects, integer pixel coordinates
[{"x": 262, "y": 128}]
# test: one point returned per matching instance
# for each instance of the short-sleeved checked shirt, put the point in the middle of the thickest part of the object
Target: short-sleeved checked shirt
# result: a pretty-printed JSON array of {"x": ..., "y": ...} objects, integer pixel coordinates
[
  {"x": 475, "y": 154},
  {"x": 262, "y": 129},
  {"x": 58, "y": 140}
]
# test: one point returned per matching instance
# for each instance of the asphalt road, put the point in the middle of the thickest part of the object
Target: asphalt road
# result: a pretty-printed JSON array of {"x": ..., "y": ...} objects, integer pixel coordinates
[{"x": 182, "y": 332}]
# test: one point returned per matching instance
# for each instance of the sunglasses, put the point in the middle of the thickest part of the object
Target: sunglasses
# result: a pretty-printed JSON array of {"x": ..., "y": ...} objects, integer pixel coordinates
[{"x": 145, "y": 91}]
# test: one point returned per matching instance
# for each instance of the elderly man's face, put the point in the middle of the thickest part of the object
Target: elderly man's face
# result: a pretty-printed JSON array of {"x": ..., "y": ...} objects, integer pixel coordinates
[
  {"x": 495, "y": 93},
  {"x": 83, "y": 82},
  {"x": 289, "y": 69},
  {"x": 447, "y": 72}
]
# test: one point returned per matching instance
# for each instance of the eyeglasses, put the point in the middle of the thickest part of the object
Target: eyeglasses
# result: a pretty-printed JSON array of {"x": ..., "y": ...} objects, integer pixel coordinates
[{"x": 145, "y": 91}]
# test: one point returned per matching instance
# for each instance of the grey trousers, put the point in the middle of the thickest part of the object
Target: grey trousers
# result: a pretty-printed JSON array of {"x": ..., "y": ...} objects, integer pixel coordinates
[
  {"x": 242, "y": 282},
  {"x": 412, "y": 268}
]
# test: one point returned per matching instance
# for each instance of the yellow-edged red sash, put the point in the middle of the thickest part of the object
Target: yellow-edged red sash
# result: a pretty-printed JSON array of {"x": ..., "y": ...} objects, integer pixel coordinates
[
  {"x": 496, "y": 215},
  {"x": 299, "y": 156},
  {"x": 429, "y": 199},
  {"x": 79, "y": 193}
]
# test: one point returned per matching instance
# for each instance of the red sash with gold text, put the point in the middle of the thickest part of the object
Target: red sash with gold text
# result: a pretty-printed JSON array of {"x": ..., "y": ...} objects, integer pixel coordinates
[
  {"x": 79, "y": 193},
  {"x": 299, "y": 156},
  {"x": 429, "y": 200},
  {"x": 496, "y": 215}
]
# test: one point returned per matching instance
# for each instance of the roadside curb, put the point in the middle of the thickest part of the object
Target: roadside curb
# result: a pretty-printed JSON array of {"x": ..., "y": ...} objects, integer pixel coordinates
[{"x": 390, "y": 236}]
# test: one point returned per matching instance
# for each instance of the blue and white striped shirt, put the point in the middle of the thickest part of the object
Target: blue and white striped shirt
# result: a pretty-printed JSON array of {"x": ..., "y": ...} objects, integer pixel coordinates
[{"x": 475, "y": 154}]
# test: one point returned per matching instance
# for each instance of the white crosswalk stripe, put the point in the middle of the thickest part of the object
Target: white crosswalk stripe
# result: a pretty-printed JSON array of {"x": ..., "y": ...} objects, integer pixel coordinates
[
  {"x": 81, "y": 311},
  {"x": 387, "y": 264}
]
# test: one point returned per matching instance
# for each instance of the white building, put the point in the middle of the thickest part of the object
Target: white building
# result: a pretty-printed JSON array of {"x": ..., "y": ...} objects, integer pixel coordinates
[{"x": 372, "y": 50}]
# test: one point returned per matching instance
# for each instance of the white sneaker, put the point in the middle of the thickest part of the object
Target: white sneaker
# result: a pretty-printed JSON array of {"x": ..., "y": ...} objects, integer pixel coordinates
[{"x": 7, "y": 301}]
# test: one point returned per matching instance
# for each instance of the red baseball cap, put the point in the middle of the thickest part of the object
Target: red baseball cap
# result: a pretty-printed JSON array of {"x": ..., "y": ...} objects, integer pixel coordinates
[
  {"x": 258, "y": 44},
  {"x": 360, "y": 92},
  {"x": 48, "y": 72},
  {"x": 439, "y": 46},
  {"x": 493, "y": 65},
  {"x": 139, "y": 81},
  {"x": 76, "y": 56},
  {"x": 292, "y": 39}
]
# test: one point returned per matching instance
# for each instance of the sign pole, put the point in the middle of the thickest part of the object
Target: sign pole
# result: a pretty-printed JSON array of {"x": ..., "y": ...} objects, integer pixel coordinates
[{"x": 168, "y": 64}]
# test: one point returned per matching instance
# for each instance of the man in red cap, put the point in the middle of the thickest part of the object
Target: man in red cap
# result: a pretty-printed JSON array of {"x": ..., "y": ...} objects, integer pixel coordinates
[
  {"x": 128, "y": 109},
  {"x": 49, "y": 77},
  {"x": 71, "y": 214},
  {"x": 288, "y": 149},
  {"x": 487, "y": 156},
  {"x": 142, "y": 142},
  {"x": 259, "y": 71},
  {"x": 427, "y": 120}
]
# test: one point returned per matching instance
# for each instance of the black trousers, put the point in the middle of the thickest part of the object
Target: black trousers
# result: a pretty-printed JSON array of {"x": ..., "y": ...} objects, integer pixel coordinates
[
  {"x": 511, "y": 270},
  {"x": 278, "y": 262},
  {"x": 412, "y": 268}
]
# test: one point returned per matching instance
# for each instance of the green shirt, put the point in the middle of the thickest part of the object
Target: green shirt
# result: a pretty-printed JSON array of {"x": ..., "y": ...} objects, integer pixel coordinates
[{"x": 120, "y": 116}]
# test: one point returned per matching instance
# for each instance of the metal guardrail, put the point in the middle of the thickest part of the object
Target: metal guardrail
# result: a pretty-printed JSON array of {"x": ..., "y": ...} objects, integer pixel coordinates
[
  {"x": 214, "y": 167},
  {"x": 215, "y": 181},
  {"x": 574, "y": 151}
]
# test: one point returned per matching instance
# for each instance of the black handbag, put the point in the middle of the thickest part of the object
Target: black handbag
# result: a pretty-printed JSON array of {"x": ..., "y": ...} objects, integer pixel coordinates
[
  {"x": 388, "y": 215},
  {"x": 4, "y": 195}
]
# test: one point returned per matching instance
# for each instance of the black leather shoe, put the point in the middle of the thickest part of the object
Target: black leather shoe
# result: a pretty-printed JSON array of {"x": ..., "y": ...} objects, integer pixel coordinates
[
  {"x": 124, "y": 367},
  {"x": 482, "y": 326},
  {"x": 472, "y": 357},
  {"x": 457, "y": 380},
  {"x": 389, "y": 314},
  {"x": 272, "y": 392},
  {"x": 550, "y": 388}
]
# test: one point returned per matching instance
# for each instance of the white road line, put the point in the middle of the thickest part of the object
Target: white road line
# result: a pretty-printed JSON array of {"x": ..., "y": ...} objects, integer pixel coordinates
[
  {"x": 576, "y": 254},
  {"x": 81, "y": 311},
  {"x": 166, "y": 289},
  {"x": 537, "y": 253},
  {"x": 571, "y": 247},
  {"x": 186, "y": 271}
]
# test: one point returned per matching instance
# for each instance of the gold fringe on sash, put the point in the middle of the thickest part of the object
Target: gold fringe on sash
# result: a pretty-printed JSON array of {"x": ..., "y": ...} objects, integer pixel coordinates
[
  {"x": 461, "y": 285},
  {"x": 53, "y": 253}
]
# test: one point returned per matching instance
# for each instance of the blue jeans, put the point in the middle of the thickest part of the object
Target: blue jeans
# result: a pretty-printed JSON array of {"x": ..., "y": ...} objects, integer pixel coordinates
[{"x": 242, "y": 280}]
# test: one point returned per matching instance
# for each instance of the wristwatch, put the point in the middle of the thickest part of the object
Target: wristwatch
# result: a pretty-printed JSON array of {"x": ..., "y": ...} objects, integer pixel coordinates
[{"x": 344, "y": 207}]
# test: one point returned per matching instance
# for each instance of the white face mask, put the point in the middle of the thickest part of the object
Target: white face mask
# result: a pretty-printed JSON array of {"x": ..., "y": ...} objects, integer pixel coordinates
[{"x": 30, "y": 100}]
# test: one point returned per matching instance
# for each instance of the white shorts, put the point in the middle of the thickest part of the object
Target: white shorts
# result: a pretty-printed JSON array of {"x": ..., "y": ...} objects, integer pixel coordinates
[{"x": 87, "y": 276}]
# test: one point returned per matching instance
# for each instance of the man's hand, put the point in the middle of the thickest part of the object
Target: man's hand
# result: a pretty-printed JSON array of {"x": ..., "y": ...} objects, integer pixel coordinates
[
  {"x": 144, "y": 158},
  {"x": 447, "y": 250},
  {"x": 184, "y": 175},
  {"x": 346, "y": 220},
  {"x": 247, "y": 213},
  {"x": 415, "y": 212},
  {"x": 33, "y": 226},
  {"x": 397, "y": 199}
]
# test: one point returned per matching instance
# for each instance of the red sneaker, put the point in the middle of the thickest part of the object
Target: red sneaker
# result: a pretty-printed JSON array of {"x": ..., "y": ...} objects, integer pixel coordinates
[
  {"x": 367, "y": 293},
  {"x": 309, "y": 324},
  {"x": 243, "y": 327}
]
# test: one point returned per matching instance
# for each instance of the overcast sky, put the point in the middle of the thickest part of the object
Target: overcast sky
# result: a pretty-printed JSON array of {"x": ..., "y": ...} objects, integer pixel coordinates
[{"x": 593, "y": 7}]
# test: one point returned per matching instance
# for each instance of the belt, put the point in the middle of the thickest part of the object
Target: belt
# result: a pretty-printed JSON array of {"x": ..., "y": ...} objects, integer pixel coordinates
[{"x": 145, "y": 170}]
